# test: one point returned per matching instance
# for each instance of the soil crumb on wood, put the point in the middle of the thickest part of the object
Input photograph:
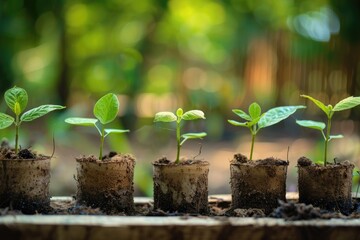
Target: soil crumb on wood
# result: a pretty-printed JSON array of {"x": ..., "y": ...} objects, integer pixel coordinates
[
  {"x": 295, "y": 211},
  {"x": 242, "y": 159}
]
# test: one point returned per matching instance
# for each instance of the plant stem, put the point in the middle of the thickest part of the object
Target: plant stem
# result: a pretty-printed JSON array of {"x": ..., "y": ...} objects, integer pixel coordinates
[
  {"x": 102, "y": 142},
  {"x": 178, "y": 138},
  {"x": 327, "y": 138},
  {"x": 17, "y": 134},
  {"x": 252, "y": 145}
]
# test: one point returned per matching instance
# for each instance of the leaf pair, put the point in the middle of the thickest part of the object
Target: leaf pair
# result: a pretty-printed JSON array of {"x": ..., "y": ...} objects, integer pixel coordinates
[
  {"x": 105, "y": 111},
  {"x": 329, "y": 110},
  {"x": 171, "y": 117},
  {"x": 317, "y": 126},
  {"x": 255, "y": 120},
  {"x": 16, "y": 99},
  {"x": 180, "y": 115}
]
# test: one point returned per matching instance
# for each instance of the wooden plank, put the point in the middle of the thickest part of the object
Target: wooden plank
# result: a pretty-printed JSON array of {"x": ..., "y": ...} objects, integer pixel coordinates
[{"x": 66, "y": 227}]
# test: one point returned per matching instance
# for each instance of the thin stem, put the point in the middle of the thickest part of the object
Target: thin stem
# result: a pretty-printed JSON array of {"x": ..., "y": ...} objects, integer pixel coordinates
[
  {"x": 102, "y": 142},
  {"x": 252, "y": 145},
  {"x": 178, "y": 138},
  {"x": 327, "y": 138},
  {"x": 17, "y": 125}
]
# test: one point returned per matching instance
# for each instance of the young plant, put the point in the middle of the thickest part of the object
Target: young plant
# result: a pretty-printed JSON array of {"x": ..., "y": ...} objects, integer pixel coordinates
[
  {"x": 180, "y": 115},
  {"x": 255, "y": 120},
  {"x": 105, "y": 111},
  {"x": 329, "y": 110},
  {"x": 16, "y": 99}
]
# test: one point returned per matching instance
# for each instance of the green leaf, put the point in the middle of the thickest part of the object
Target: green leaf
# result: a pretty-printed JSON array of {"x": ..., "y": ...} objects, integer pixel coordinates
[
  {"x": 335, "y": 136},
  {"x": 16, "y": 98},
  {"x": 5, "y": 120},
  {"x": 165, "y": 117},
  {"x": 319, "y": 104},
  {"x": 239, "y": 124},
  {"x": 108, "y": 131},
  {"x": 193, "y": 114},
  {"x": 242, "y": 114},
  {"x": 311, "y": 124},
  {"x": 187, "y": 136},
  {"x": 194, "y": 135},
  {"x": 347, "y": 103},
  {"x": 276, "y": 115},
  {"x": 106, "y": 108},
  {"x": 39, "y": 112},
  {"x": 254, "y": 110},
  {"x": 82, "y": 121}
]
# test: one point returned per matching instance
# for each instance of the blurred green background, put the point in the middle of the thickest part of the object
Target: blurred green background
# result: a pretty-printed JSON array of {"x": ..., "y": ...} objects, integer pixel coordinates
[{"x": 198, "y": 54}]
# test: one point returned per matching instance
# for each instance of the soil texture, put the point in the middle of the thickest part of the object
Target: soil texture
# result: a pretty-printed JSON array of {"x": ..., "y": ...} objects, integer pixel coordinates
[
  {"x": 181, "y": 187},
  {"x": 106, "y": 184},
  {"x": 257, "y": 184},
  {"x": 332, "y": 188}
]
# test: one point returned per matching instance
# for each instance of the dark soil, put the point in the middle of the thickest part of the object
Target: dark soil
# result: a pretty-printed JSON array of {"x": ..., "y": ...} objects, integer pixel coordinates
[
  {"x": 184, "y": 161},
  {"x": 7, "y": 153},
  {"x": 110, "y": 157},
  {"x": 240, "y": 158}
]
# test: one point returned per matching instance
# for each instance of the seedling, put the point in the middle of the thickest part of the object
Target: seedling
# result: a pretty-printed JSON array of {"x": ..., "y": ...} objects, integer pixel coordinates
[
  {"x": 17, "y": 99},
  {"x": 255, "y": 120},
  {"x": 329, "y": 110},
  {"x": 180, "y": 115},
  {"x": 105, "y": 111}
]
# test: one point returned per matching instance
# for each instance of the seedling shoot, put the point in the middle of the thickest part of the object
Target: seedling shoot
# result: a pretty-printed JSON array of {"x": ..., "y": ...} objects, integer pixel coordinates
[
  {"x": 17, "y": 99},
  {"x": 105, "y": 111},
  {"x": 329, "y": 110},
  {"x": 180, "y": 115},
  {"x": 255, "y": 120}
]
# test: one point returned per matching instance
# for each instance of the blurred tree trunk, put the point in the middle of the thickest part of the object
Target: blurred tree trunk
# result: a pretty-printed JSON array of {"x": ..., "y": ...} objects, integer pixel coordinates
[{"x": 63, "y": 81}]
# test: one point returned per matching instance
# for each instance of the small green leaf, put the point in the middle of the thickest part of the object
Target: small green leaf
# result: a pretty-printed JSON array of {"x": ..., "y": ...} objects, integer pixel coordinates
[
  {"x": 106, "y": 108},
  {"x": 319, "y": 104},
  {"x": 335, "y": 136},
  {"x": 179, "y": 112},
  {"x": 242, "y": 114},
  {"x": 82, "y": 121},
  {"x": 165, "y": 117},
  {"x": 347, "y": 103},
  {"x": 187, "y": 136},
  {"x": 193, "y": 114},
  {"x": 276, "y": 115},
  {"x": 6, "y": 120},
  {"x": 194, "y": 135},
  {"x": 239, "y": 124},
  {"x": 254, "y": 110},
  {"x": 311, "y": 124},
  {"x": 108, "y": 131},
  {"x": 16, "y": 98},
  {"x": 39, "y": 112}
]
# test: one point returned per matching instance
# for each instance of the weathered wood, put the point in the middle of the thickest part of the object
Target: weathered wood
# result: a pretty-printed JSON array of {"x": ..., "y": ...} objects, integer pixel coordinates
[
  {"x": 110, "y": 227},
  {"x": 120, "y": 227}
]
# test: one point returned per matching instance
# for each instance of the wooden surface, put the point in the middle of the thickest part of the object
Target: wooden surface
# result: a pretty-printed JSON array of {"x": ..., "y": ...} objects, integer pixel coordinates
[{"x": 69, "y": 227}]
